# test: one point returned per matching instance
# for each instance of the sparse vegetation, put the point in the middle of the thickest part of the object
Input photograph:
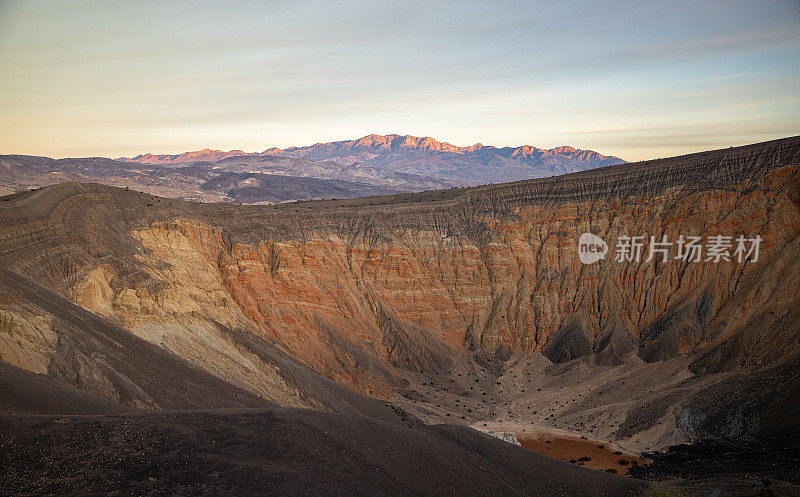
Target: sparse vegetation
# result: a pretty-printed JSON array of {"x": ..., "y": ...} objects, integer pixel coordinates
[{"x": 665, "y": 490}]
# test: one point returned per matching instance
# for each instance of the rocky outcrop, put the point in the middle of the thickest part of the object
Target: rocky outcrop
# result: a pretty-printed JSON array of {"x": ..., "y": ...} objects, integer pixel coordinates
[
  {"x": 26, "y": 339},
  {"x": 505, "y": 436},
  {"x": 759, "y": 407}
]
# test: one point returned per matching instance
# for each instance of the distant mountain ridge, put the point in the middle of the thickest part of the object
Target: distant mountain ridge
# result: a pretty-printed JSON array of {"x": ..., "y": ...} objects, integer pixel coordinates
[
  {"x": 423, "y": 156},
  {"x": 375, "y": 143},
  {"x": 371, "y": 165},
  {"x": 263, "y": 182},
  {"x": 394, "y": 142},
  {"x": 205, "y": 155}
]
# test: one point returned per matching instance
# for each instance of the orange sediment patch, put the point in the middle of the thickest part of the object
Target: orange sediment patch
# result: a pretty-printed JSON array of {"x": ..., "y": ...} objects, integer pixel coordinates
[{"x": 600, "y": 456}]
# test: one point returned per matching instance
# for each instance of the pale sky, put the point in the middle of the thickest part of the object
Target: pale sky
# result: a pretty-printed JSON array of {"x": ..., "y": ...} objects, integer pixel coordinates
[{"x": 635, "y": 79}]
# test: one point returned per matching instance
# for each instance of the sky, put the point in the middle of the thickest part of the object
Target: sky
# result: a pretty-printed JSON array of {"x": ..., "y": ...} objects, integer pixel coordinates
[{"x": 635, "y": 79}]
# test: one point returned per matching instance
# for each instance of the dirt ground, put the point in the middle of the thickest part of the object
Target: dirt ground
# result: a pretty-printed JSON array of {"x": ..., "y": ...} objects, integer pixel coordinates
[{"x": 600, "y": 456}]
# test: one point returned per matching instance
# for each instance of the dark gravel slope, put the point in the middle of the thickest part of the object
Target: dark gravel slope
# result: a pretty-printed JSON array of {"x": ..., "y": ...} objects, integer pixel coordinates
[{"x": 275, "y": 451}]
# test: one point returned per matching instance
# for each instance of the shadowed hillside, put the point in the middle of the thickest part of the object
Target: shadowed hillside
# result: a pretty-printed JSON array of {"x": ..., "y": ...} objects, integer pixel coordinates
[{"x": 276, "y": 452}]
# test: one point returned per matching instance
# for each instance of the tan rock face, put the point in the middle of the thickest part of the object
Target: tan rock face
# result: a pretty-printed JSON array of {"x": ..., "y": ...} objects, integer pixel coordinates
[
  {"x": 94, "y": 292},
  {"x": 26, "y": 340},
  {"x": 356, "y": 309},
  {"x": 183, "y": 315}
]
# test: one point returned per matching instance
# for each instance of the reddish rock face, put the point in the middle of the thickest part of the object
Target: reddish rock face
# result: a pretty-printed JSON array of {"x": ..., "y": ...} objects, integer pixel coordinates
[{"x": 526, "y": 289}]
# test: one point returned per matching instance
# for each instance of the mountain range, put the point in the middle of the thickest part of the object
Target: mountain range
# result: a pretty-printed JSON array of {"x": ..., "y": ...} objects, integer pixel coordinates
[
  {"x": 372, "y": 165},
  {"x": 425, "y": 156}
]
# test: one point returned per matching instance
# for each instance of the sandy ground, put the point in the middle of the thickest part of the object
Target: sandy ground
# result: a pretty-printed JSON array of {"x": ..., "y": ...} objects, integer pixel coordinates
[{"x": 632, "y": 406}]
